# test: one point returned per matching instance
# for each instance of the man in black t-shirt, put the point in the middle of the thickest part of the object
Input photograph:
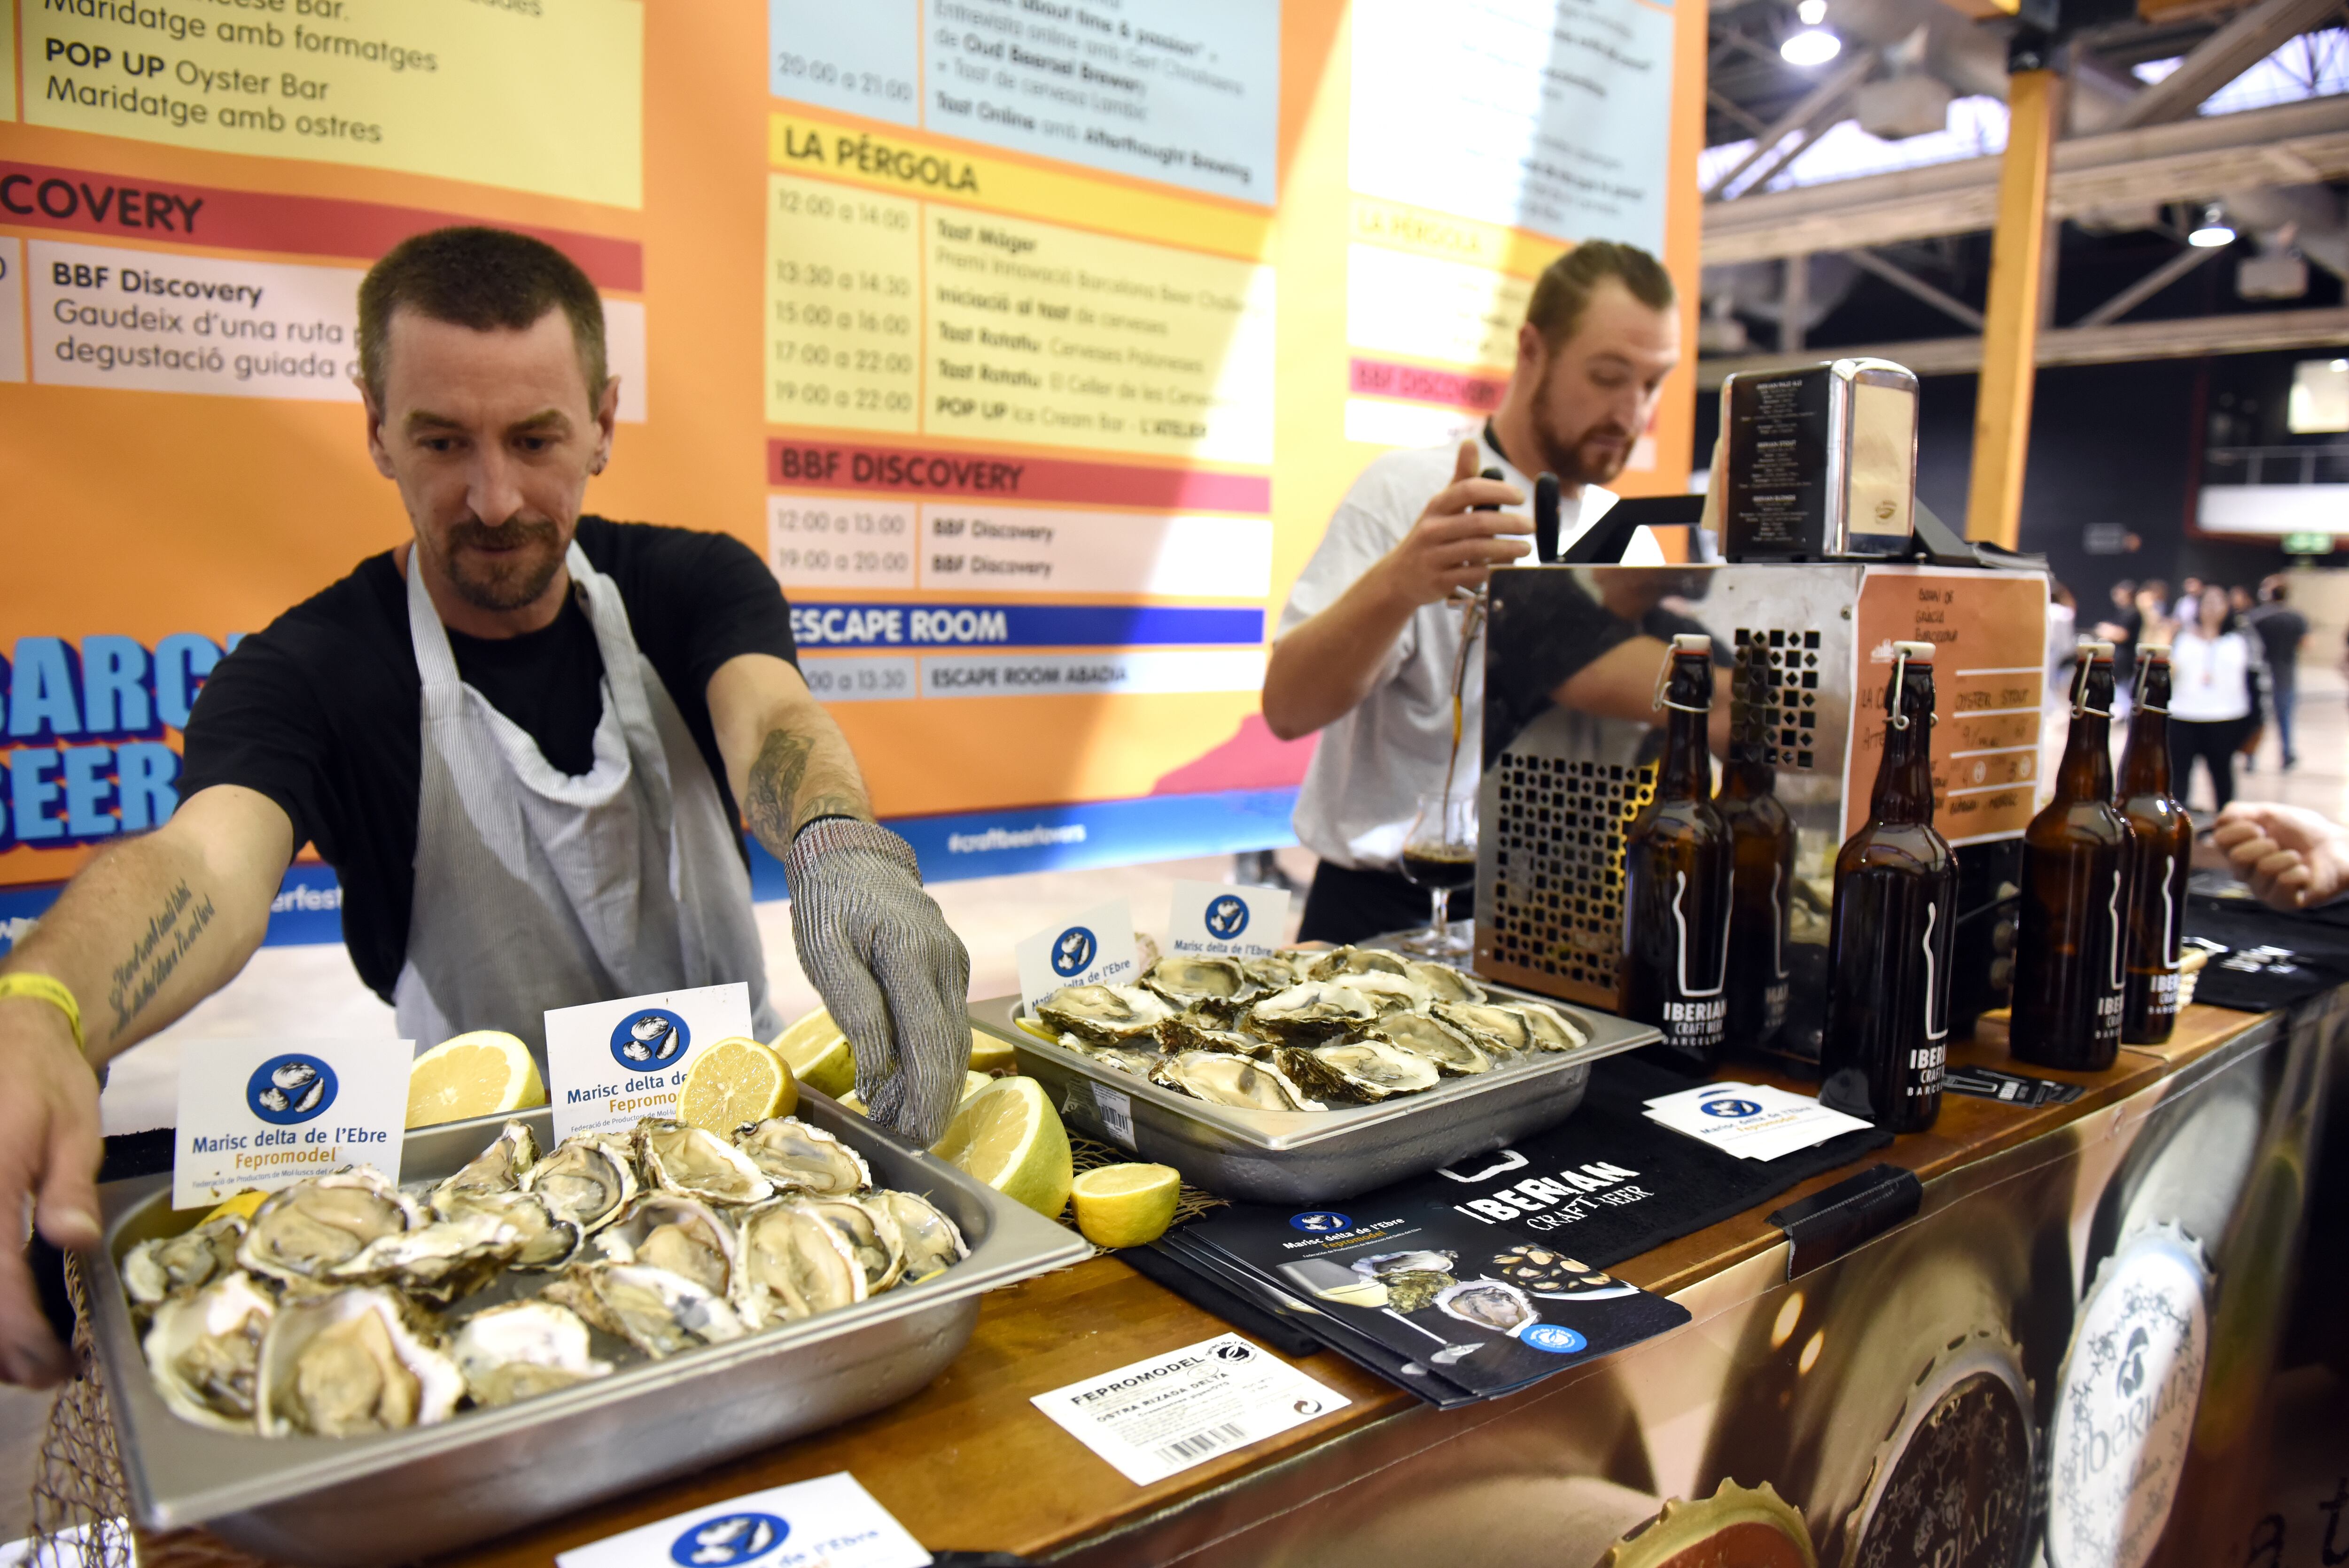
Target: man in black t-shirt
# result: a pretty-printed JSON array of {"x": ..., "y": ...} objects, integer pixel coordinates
[
  {"x": 2281, "y": 630},
  {"x": 520, "y": 739}
]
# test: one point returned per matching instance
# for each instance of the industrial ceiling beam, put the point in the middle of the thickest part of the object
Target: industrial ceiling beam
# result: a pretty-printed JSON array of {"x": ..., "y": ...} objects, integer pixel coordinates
[
  {"x": 1822, "y": 100},
  {"x": 1902, "y": 278},
  {"x": 2250, "y": 332},
  {"x": 2145, "y": 287},
  {"x": 2249, "y": 37},
  {"x": 2190, "y": 160},
  {"x": 1735, "y": 111}
]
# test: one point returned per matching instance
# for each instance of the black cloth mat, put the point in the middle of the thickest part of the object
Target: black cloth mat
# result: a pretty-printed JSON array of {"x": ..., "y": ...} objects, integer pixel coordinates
[{"x": 2315, "y": 941}]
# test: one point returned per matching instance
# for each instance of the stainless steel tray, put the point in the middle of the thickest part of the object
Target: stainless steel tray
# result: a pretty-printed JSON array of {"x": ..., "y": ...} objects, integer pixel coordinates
[
  {"x": 405, "y": 1495},
  {"x": 1316, "y": 1156}
]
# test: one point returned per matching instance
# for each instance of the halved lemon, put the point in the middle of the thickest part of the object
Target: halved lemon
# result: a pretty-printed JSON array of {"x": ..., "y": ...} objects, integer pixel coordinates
[
  {"x": 1126, "y": 1205},
  {"x": 971, "y": 1084},
  {"x": 1009, "y": 1136},
  {"x": 735, "y": 1080},
  {"x": 989, "y": 1054},
  {"x": 818, "y": 1054},
  {"x": 485, "y": 1073}
]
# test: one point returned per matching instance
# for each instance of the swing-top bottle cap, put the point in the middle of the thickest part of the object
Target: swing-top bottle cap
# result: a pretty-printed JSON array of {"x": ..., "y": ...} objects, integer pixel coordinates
[
  {"x": 2092, "y": 649},
  {"x": 2152, "y": 650},
  {"x": 1915, "y": 652},
  {"x": 1691, "y": 643}
]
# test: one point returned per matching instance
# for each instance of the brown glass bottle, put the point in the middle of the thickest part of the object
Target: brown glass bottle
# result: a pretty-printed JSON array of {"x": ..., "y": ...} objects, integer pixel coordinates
[
  {"x": 1762, "y": 874},
  {"x": 2071, "y": 947},
  {"x": 1676, "y": 879},
  {"x": 1896, "y": 891},
  {"x": 2161, "y": 847}
]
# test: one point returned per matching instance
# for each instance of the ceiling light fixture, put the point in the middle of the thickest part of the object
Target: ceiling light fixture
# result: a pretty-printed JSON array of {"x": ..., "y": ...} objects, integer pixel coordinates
[
  {"x": 1811, "y": 47},
  {"x": 2213, "y": 231},
  {"x": 1812, "y": 12}
]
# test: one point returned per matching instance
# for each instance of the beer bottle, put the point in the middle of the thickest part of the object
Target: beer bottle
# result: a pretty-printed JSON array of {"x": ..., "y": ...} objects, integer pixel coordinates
[
  {"x": 1676, "y": 877},
  {"x": 1895, "y": 886},
  {"x": 2070, "y": 957},
  {"x": 2161, "y": 845},
  {"x": 1762, "y": 874}
]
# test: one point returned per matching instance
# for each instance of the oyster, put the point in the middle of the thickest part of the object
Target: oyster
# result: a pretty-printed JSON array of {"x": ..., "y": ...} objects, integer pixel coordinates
[
  {"x": 1503, "y": 1031},
  {"x": 438, "y": 1262},
  {"x": 796, "y": 1157},
  {"x": 1273, "y": 973},
  {"x": 1488, "y": 1304},
  {"x": 1368, "y": 961},
  {"x": 658, "y": 1312},
  {"x": 793, "y": 1265},
  {"x": 1411, "y": 1289},
  {"x": 174, "y": 1265},
  {"x": 1552, "y": 1030},
  {"x": 871, "y": 1235},
  {"x": 1448, "y": 1049},
  {"x": 1311, "y": 1010},
  {"x": 1189, "y": 1032},
  {"x": 1443, "y": 983},
  {"x": 204, "y": 1351},
  {"x": 585, "y": 1181},
  {"x": 1104, "y": 1014},
  {"x": 1380, "y": 1265},
  {"x": 522, "y": 1348},
  {"x": 931, "y": 1242},
  {"x": 1366, "y": 1070},
  {"x": 301, "y": 1233},
  {"x": 1390, "y": 993},
  {"x": 1125, "y": 1058},
  {"x": 683, "y": 1235},
  {"x": 350, "y": 1362},
  {"x": 497, "y": 1169},
  {"x": 1211, "y": 985},
  {"x": 1236, "y": 1081},
  {"x": 694, "y": 1162},
  {"x": 547, "y": 1243}
]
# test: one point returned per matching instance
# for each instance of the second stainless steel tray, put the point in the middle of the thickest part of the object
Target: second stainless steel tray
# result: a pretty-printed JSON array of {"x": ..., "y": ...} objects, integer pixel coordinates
[
  {"x": 405, "y": 1495},
  {"x": 1314, "y": 1156}
]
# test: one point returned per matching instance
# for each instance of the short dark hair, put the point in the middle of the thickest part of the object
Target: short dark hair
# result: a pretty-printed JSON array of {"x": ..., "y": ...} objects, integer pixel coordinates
[
  {"x": 1563, "y": 291},
  {"x": 483, "y": 279}
]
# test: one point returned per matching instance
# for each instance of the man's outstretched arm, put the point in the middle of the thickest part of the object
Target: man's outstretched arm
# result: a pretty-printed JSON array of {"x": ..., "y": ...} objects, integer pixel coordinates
[{"x": 146, "y": 932}]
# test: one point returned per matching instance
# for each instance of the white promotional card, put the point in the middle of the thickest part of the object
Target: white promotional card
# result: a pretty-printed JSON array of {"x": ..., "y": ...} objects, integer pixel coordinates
[
  {"x": 828, "y": 1522},
  {"x": 1092, "y": 947},
  {"x": 1753, "y": 1122},
  {"x": 1219, "y": 920},
  {"x": 1160, "y": 1417},
  {"x": 262, "y": 1114},
  {"x": 610, "y": 1064}
]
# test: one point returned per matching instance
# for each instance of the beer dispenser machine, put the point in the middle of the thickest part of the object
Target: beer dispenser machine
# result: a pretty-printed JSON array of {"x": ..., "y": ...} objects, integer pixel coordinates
[{"x": 1826, "y": 560}]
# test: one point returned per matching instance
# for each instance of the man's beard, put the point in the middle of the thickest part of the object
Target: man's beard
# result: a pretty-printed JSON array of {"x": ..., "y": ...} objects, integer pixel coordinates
[
  {"x": 511, "y": 579},
  {"x": 1578, "y": 460}
]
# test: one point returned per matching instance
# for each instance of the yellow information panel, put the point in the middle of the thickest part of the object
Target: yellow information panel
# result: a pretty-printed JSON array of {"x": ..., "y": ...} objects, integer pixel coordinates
[{"x": 1031, "y": 346}]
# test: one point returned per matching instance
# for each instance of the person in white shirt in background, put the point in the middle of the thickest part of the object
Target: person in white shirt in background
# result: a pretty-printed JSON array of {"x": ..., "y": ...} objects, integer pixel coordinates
[
  {"x": 1370, "y": 636},
  {"x": 2210, "y": 703}
]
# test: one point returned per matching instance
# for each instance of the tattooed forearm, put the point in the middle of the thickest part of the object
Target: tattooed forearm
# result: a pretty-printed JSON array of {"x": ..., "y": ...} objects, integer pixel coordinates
[
  {"x": 171, "y": 931},
  {"x": 793, "y": 782}
]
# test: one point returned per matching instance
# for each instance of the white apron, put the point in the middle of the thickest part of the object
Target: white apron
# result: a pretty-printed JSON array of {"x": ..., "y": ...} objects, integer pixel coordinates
[{"x": 537, "y": 890}]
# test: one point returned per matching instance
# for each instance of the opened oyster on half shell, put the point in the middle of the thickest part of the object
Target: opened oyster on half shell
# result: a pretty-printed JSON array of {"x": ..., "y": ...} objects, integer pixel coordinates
[
  {"x": 302, "y": 1234},
  {"x": 523, "y": 1348},
  {"x": 351, "y": 1362},
  {"x": 1363, "y": 1070},
  {"x": 1237, "y": 1081},
  {"x": 1104, "y": 1014}
]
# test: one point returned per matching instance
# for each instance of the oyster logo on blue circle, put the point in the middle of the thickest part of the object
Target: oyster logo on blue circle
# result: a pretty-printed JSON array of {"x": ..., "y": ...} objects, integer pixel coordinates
[
  {"x": 1732, "y": 1107},
  {"x": 652, "y": 1039},
  {"x": 1554, "y": 1337},
  {"x": 730, "y": 1538},
  {"x": 1072, "y": 951},
  {"x": 287, "y": 1091},
  {"x": 1319, "y": 1223},
  {"x": 1227, "y": 916}
]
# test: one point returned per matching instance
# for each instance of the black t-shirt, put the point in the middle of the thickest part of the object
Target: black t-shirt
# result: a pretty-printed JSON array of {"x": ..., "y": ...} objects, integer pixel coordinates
[
  {"x": 322, "y": 712},
  {"x": 2280, "y": 629}
]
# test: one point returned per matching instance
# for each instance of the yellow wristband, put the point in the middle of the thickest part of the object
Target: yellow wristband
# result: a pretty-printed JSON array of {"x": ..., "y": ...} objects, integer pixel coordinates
[{"x": 49, "y": 989}]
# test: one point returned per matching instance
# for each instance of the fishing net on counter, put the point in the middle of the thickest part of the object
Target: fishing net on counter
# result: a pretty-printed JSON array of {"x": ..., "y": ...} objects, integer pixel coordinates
[{"x": 1087, "y": 1155}]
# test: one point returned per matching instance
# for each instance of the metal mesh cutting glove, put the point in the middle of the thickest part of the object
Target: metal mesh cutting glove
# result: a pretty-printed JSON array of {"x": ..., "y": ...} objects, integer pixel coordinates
[{"x": 894, "y": 976}]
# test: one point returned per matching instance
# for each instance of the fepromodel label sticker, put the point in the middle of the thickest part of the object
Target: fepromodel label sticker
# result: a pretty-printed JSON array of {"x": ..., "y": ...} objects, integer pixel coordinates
[
  {"x": 1160, "y": 1417},
  {"x": 1217, "y": 920},
  {"x": 611, "y": 1064},
  {"x": 1092, "y": 947},
  {"x": 260, "y": 1114},
  {"x": 828, "y": 1522}
]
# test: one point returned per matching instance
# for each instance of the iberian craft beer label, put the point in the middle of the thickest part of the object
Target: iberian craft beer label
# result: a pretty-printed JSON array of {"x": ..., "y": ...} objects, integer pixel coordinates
[{"x": 258, "y": 1115}]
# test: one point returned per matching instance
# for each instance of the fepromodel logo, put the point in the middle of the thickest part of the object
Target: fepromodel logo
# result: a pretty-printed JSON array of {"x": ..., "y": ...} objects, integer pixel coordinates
[
  {"x": 652, "y": 1039},
  {"x": 1072, "y": 951},
  {"x": 1227, "y": 916},
  {"x": 1732, "y": 1107},
  {"x": 722, "y": 1542},
  {"x": 1319, "y": 1223},
  {"x": 287, "y": 1091}
]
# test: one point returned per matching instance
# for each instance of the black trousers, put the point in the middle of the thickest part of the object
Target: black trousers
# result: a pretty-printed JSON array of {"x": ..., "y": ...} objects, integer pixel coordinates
[
  {"x": 1348, "y": 905},
  {"x": 2214, "y": 741}
]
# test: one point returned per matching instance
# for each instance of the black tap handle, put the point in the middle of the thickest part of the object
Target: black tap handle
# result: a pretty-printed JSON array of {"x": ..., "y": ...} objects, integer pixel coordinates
[
  {"x": 1490, "y": 505},
  {"x": 1545, "y": 518}
]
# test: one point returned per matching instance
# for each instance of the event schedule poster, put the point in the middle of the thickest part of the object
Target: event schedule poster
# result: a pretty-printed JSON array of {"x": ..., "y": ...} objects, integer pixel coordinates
[{"x": 1031, "y": 343}]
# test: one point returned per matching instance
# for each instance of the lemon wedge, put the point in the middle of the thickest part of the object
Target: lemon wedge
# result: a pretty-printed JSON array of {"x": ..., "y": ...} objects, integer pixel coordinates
[
  {"x": 971, "y": 1084},
  {"x": 1009, "y": 1136},
  {"x": 989, "y": 1054},
  {"x": 1126, "y": 1205},
  {"x": 243, "y": 1204},
  {"x": 818, "y": 1054},
  {"x": 736, "y": 1080},
  {"x": 485, "y": 1073}
]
